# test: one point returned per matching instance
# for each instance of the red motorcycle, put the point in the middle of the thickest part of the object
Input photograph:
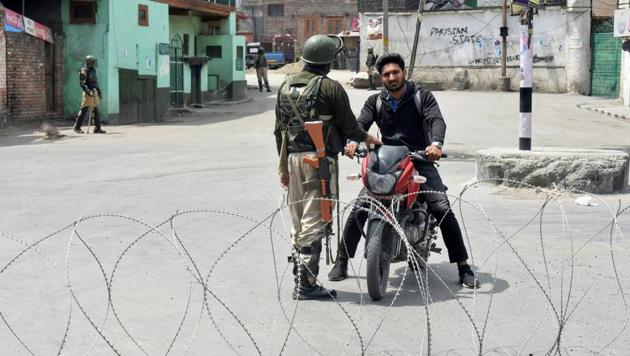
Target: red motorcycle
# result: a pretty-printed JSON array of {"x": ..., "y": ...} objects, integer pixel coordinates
[{"x": 395, "y": 207}]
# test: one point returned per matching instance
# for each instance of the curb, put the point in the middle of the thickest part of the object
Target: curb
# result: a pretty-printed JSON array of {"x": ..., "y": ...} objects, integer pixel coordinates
[
  {"x": 224, "y": 102},
  {"x": 623, "y": 117}
]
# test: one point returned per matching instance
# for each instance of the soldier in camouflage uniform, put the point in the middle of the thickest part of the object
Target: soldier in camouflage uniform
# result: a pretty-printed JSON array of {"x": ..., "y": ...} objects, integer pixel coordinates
[
  {"x": 90, "y": 98},
  {"x": 262, "y": 67},
  {"x": 370, "y": 63},
  {"x": 311, "y": 96}
]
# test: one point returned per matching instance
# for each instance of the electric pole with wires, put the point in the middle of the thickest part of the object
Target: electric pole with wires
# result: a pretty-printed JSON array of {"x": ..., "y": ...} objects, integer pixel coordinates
[
  {"x": 527, "y": 68},
  {"x": 416, "y": 39},
  {"x": 385, "y": 26},
  {"x": 504, "y": 81}
]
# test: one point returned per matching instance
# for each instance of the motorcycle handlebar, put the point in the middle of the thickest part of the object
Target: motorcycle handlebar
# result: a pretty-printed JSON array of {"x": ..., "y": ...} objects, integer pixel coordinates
[{"x": 419, "y": 156}]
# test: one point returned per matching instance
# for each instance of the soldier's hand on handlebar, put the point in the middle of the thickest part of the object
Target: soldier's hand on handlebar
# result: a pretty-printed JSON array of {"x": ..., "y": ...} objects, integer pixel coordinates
[
  {"x": 351, "y": 149},
  {"x": 433, "y": 152}
]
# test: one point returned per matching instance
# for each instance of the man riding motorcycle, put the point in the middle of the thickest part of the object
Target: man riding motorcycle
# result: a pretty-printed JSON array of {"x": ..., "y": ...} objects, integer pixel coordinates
[{"x": 407, "y": 115}]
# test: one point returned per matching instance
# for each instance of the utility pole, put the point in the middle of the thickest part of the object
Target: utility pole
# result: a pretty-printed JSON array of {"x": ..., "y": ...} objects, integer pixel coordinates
[
  {"x": 23, "y": 8},
  {"x": 527, "y": 68},
  {"x": 416, "y": 39},
  {"x": 504, "y": 83},
  {"x": 385, "y": 26}
]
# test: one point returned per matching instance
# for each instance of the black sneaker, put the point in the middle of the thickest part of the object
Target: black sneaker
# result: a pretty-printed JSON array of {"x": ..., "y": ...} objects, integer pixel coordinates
[
  {"x": 268, "y": 90},
  {"x": 468, "y": 280},
  {"x": 78, "y": 130},
  {"x": 99, "y": 131}
]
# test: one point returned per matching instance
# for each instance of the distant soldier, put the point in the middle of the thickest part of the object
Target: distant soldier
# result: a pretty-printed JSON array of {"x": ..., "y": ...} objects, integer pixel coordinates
[
  {"x": 91, "y": 97},
  {"x": 261, "y": 69},
  {"x": 370, "y": 62}
]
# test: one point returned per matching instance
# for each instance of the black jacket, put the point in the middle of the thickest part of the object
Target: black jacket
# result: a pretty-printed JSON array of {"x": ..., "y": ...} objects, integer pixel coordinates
[
  {"x": 406, "y": 127},
  {"x": 88, "y": 80}
]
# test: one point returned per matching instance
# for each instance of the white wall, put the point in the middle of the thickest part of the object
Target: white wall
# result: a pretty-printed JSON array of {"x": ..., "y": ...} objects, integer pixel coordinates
[{"x": 471, "y": 40}]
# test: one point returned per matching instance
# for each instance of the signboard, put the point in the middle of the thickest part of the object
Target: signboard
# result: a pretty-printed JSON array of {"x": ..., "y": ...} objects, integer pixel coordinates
[
  {"x": 29, "y": 27},
  {"x": 449, "y": 5},
  {"x": 43, "y": 32},
  {"x": 375, "y": 28},
  {"x": 164, "y": 49},
  {"x": 355, "y": 24},
  {"x": 622, "y": 23},
  {"x": 14, "y": 21}
]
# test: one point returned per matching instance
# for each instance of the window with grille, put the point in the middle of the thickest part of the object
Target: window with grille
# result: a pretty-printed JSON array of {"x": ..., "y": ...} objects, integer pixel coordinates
[
  {"x": 334, "y": 25},
  {"x": 82, "y": 12},
  {"x": 214, "y": 51},
  {"x": 143, "y": 15},
  {"x": 311, "y": 26},
  {"x": 275, "y": 10},
  {"x": 186, "y": 44}
]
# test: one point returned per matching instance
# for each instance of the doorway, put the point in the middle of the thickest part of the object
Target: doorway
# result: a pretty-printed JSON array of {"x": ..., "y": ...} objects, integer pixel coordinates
[{"x": 195, "y": 84}]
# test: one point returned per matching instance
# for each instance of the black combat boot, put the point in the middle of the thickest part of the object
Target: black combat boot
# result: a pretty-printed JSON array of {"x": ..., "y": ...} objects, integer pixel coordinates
[
  {"x": 268, "y": 89},
  {"x": 306, "y": 287},
  {"x": 260, "y": 86},
  {"x": 339, "y": 272}
]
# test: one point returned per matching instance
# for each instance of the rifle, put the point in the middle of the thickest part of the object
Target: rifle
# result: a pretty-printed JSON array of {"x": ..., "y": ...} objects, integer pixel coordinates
[
  {"x": 320, "y": 162},
  {"x": 315, "y": 130}
]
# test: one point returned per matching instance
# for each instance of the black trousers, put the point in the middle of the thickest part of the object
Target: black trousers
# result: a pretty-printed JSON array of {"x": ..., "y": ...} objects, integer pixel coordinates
[
  {"x": 83, "y": 115},
  {"x": 439, "y": 206}
]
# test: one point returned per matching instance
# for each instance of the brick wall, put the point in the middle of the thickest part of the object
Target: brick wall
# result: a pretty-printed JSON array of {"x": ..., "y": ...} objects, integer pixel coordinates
[
  {"x": 394, "y": 5},
  {"x": 58, "y": 76},
  {"x": 4, "y": 109},
  {"x": 26, "y": 78}
]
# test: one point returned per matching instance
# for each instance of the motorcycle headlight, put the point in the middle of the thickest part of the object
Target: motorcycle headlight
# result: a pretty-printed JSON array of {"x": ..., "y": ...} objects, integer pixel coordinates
[{"x": 381, "y": 183}]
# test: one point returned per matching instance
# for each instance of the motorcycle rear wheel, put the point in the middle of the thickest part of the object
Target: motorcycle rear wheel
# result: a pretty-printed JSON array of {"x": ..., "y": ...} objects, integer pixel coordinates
[{"x": 377, "y": 257}]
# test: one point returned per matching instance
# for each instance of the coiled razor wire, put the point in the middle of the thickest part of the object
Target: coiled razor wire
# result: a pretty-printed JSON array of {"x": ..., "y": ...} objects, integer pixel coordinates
[{"x": 293, "y": 320}]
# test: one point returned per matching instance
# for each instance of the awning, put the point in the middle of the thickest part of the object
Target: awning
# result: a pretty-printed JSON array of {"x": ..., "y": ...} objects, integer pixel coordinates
[{"x": 200, "y": 6}]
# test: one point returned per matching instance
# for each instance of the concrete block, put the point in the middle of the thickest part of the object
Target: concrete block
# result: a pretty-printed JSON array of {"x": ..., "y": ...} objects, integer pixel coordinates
[
  {"x": 430, "y": 85},
  {"x": 594, "y": 171},
  {"x": 360, "y": 81}
]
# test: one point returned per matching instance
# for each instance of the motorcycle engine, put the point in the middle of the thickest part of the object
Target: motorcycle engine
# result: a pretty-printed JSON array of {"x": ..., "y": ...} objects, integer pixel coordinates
[{"x": 413, "y": 232}]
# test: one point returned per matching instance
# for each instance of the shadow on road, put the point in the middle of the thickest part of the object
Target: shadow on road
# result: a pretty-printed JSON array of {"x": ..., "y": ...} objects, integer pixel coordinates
[
  {"x": 29, "y": 134},
  {"x": 443, "y": 290}
]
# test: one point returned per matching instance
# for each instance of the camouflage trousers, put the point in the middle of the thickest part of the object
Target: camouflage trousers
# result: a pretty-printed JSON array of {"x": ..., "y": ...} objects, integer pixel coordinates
[{"x": 304, "y": 192}]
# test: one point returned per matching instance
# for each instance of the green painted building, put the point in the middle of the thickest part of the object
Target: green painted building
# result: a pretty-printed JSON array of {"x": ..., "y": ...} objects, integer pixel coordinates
[
  {"x": 207, "y": 57},
  {"x": 140, "y": 46}
]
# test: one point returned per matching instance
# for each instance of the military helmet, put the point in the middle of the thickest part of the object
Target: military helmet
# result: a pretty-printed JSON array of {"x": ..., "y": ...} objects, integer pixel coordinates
[
  {"x": 90, "y": 59},
  {"x": 321, "y": 49}
]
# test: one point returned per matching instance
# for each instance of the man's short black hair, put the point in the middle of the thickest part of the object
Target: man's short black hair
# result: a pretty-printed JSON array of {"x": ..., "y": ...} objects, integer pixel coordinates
[{"x": 390, "y": 58}]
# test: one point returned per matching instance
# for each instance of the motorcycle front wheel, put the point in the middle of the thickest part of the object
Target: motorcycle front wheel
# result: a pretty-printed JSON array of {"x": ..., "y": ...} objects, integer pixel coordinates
[{"x": 377, "y": 258}]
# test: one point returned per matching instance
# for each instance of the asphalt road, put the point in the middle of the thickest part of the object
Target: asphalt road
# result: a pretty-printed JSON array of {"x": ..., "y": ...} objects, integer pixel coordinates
[{"x": 207, "y": 181}]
